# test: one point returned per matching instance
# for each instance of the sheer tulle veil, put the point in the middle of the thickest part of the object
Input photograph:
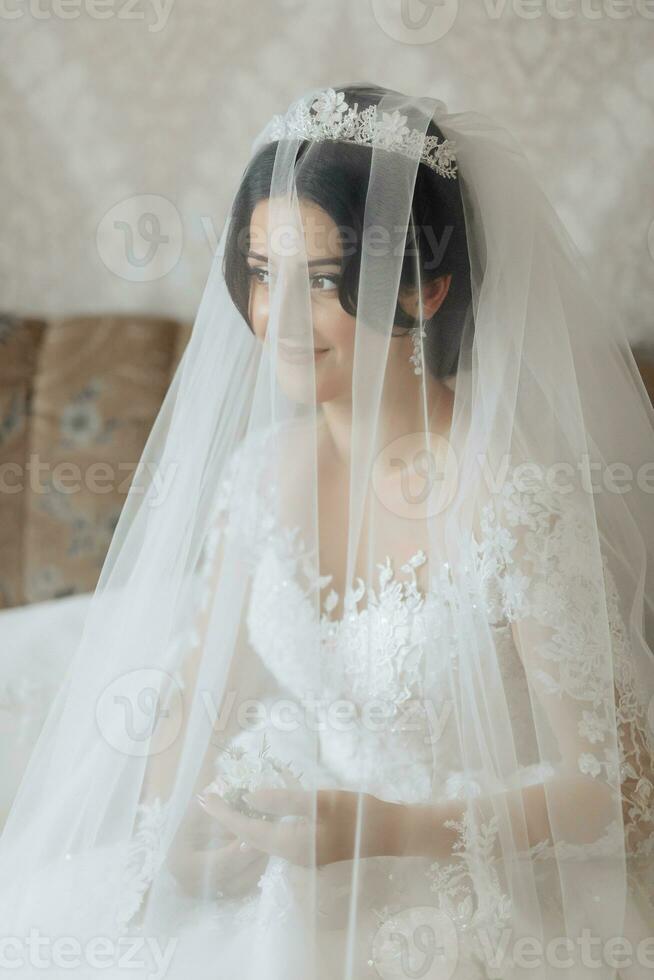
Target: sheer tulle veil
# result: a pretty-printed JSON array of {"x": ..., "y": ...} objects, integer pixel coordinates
[{"x": 399, "y": 589}]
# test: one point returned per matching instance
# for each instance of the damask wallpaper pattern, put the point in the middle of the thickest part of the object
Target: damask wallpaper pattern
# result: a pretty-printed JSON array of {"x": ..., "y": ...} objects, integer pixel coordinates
[{"x": 125, "y": 134}]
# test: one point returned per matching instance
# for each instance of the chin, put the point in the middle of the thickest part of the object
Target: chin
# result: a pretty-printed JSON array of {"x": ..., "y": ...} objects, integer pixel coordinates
[{"x": 331, "y": 389}]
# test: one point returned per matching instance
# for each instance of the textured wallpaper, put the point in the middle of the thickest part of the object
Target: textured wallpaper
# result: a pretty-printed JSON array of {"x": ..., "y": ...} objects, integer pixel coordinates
[{"x": 127, "y": 123}]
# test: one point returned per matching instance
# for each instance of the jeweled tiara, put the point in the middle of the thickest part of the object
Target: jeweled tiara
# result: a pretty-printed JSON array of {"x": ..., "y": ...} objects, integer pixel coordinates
[{"x": 331, "y": 118}]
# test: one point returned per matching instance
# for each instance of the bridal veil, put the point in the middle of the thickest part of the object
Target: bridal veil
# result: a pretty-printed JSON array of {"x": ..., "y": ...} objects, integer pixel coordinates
[{"x": 392, "y": 534}]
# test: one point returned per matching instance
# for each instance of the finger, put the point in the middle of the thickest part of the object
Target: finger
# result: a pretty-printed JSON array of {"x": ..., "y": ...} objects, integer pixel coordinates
[
  {"x": 251, "y": 829},
  {"x": 291, "y": 840},
  {"x": 235, "y": 856},
  {"x": 203, "y": 873}
]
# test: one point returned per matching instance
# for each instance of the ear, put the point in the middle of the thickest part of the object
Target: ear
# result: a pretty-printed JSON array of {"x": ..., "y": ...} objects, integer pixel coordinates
[{"x": 433, "y": 296}]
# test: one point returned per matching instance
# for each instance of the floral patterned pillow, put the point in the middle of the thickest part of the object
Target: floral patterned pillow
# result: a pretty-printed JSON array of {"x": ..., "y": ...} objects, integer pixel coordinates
[{"x": 76, "y": 429}]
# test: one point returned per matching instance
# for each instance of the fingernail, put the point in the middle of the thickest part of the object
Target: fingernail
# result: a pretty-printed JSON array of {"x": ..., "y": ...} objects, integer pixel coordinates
[{"x": 201, "y": 800}]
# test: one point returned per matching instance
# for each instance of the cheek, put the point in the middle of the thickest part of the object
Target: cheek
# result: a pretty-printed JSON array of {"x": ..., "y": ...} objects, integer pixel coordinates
[
  {"x": 258, "y": 308},
  {"x": 335, "y": 326},
  {"x": 330, "y": 320}
]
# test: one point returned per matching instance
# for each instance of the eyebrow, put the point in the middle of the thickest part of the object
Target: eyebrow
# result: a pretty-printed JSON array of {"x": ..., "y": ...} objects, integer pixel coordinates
[{"x": 327, "y": 260}]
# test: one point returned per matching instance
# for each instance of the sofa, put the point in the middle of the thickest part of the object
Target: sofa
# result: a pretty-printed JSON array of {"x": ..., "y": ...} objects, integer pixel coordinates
[{"x": 78, "y": 396}]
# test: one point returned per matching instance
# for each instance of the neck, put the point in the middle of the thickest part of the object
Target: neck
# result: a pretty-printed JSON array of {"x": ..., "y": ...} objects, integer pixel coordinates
[{"x": 410, "y": 405}]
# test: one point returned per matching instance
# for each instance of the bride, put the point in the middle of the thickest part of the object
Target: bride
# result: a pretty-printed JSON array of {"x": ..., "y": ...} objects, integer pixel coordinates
[{"x": 370, "y": 692}]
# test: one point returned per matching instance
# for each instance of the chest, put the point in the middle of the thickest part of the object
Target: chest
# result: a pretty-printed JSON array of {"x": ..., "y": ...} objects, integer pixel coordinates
[{"x": 389, "y": 545}]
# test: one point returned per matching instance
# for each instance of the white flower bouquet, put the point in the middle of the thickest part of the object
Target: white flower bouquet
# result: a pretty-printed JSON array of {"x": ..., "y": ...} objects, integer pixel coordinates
[{"x": 239, "y": 772}]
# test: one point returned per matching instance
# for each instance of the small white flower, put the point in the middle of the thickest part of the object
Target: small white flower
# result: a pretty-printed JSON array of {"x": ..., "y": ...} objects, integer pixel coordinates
[
  {"x": 331, "y": 600},
  {"x": 391, "y": 128},
  {"x": 329, "y": 106},
  {"x": 547, "y": 682},
  {"x": 446, "y": 152},
  {"x": 516, "y": 587},
  {"x": 238, "y": 772},
  {"x": 415, "y": 561},
  {"x": 589, "y": 765},
  {"x": 276, "y": 128},
  {"x": 591, "y": 727}
]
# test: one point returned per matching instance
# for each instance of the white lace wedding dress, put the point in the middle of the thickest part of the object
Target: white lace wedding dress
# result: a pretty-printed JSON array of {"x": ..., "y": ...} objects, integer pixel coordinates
[{"x": 380, "y": 650}]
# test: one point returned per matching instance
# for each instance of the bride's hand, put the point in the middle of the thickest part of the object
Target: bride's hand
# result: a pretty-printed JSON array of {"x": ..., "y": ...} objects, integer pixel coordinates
[
  {"x": 208, "y": 873},
  {"x": 305, "y": 841},
  {"x": 230, "y": 868}
]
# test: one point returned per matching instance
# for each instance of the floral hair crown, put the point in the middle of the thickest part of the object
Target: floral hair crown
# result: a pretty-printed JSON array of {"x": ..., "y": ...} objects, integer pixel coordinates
[{"x": 331, "y": 118}]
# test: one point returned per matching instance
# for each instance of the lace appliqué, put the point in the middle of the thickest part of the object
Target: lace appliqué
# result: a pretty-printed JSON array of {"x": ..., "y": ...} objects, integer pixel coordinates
[
  {"x": 276, "y": 892},
  {"x": 379, "y": 644},
  {"x": 145, "y": 856},
  {"x": 533, "y": 567},
  {"x": 469, "y": 891},
  {"x": 535, "y": 559},
  {"x": 270, "y": 905}
]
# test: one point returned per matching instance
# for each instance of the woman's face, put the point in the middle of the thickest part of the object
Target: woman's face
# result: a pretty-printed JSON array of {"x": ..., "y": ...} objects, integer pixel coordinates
[{"x": 329, "y": 338}]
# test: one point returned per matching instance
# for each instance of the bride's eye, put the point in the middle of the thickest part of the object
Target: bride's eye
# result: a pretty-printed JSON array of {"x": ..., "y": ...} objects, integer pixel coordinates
[
  {"x": 332, "y": 282},
  {"x": 259, "y": 274},
  {"x": 323, "y": 282}
]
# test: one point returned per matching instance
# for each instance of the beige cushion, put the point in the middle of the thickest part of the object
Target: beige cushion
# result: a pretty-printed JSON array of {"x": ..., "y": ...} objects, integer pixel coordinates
[
  {"x": 19, "y": 343},
  {"x": 95, "y": 385}
]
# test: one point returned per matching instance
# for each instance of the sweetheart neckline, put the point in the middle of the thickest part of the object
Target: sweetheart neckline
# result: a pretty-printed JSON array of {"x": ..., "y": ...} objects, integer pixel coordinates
[{"x": 386, "y": 576}]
